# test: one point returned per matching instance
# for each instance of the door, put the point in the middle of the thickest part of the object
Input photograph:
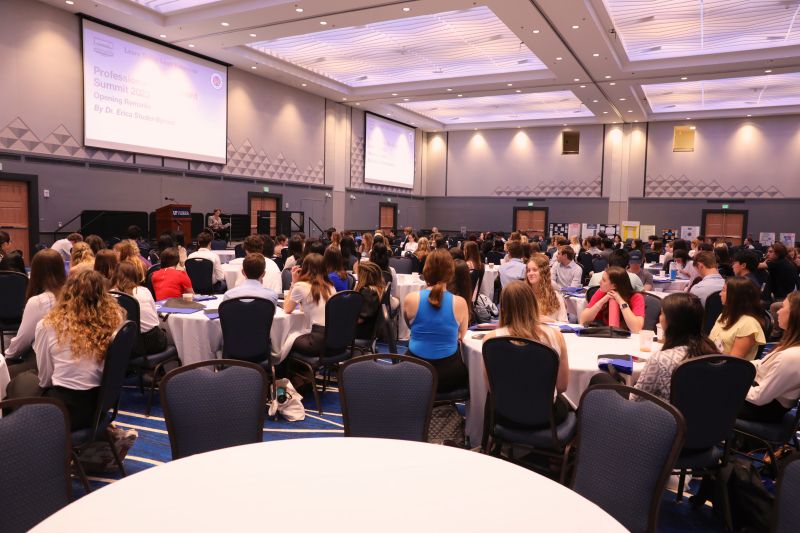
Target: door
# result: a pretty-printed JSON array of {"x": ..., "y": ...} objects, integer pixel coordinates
[
  {"x": 725, "y": 225},
  {"x": 258, "y": 203},
  {"x": 14, "y": 215},
  {"x": 387, "y": 217},
  {"x": 530, "y": 220}
]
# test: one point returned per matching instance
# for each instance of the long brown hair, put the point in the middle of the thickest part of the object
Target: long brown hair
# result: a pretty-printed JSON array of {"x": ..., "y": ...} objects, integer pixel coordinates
[
  {"x": 106, "y": 263},
  {"x": 520, "y": 310},
  {"x": 370, "y": 276},
  {"x": 791, "y": 335},
  {"x": 461, "y": 283},
  {"x": 741, "y": 299},
  {"x": 313, "y": 272},
  {"x": 471, "y": 253},
  {"x": 618, "y": 277},
  {"x": 334, "y": 262},
  {"x": 125, "y": 278},
  {"x": 683, "y": 314},
  {"x": 47, "y": 273},
  {"x": 546, "y": 297},
  {"x": 438, "y": 271},
  {"x": 129, "y": 253},
  {"x": 85, "y": 315}
]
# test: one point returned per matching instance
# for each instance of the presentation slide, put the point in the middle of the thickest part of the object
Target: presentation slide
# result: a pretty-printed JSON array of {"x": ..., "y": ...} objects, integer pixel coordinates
[
  {"x": 146, "y": 98},
  {"x": 389, "y": 153}
]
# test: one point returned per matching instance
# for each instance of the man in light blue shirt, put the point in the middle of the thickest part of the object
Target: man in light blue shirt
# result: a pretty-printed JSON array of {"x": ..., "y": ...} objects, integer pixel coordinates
[
  {"x": 253, "y": 268},
  {"x": 706, "y": 265},
  {"x": 566, "y": 272},
  {"x": 514, "y": 268}
]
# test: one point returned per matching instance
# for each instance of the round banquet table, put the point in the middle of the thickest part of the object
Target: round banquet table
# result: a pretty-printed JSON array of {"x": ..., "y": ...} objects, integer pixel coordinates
[
  {"x": 406, "y": 284},
  {"x": 374, "y": 485},
  {"x": 225, "y": 255},
  {"x": 232, "y": 274},
  {"x": 582, "y": 353},
  {"x": 664, "y": 284}
]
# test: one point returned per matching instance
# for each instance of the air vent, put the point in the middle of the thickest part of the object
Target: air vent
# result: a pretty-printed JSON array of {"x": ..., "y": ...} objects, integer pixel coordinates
[
  {"x": 570, "y": 142},
  {"x": 683, "y": 139}
]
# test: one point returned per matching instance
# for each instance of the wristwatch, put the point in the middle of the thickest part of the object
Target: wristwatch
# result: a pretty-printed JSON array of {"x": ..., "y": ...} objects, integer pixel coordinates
[{"x": 624, "y": 306}]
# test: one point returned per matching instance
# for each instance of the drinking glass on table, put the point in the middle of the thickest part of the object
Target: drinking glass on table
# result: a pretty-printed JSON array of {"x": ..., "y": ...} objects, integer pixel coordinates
[{"x": 646, "y": 340}]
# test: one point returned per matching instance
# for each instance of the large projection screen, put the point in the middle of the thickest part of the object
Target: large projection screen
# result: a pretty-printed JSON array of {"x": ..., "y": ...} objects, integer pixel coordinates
[
  {"x": 388, "y": 153},
  {"x": 139, "y": 96}
]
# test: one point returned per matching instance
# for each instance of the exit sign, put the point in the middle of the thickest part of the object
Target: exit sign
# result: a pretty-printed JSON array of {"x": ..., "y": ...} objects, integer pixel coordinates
[
  {"x": 530, "y": 204},
  {"x": 725, "y": 206},
  {"x": 266, "y": 189}
]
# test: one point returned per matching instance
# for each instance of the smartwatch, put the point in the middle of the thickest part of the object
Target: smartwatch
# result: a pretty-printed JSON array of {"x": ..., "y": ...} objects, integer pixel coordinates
[{"x": 624, "y": 306}]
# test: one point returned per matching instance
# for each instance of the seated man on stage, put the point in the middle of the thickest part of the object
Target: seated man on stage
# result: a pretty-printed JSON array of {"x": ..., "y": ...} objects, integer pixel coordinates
[{"x": 215, "y": 223}]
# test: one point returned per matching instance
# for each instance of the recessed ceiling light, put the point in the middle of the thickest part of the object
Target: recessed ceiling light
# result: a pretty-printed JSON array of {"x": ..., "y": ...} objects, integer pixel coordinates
[
  {"x": 394, "y": 94},
  {"x": 252, "y": 35},
  {"x": 684, "y": 78},
  {"x": 460, "y": 95},
  {"x": 304, "y": 84},
  {"x": 474, "y": 129},
  {"x": 344, "y": 99},
  {"x": 69, "y": 2},
  {"x": 509, "y": 84},
  {"x": 518, "y": 91},
  {"x": 636, "y": 121},
  {"x": 358, "y": 103},
  {"x": 535, "y": 31},
  {"x": 413, "y": 123},
  {"x": 225, "y": 24},
  {"x": 608, "y": 77},
  {"x": 613, "y": 83},
  {"x": 595, "y": 55},
  {"x": 605, "y": 112},
  {"x": 622, "y": 99},
  {"x": 692, "y": 127},
  {"x": 191, "y": 45},
  {"x": 559, "y": 58},
  {"x": 688, "y": 118},
  {"x": 406, "y": 9},
  {"x": 163, "y": 36},
  {"x": 253, "y": 67},
  {"x": 323, "y": 23},
  {"x": 630, "y": 110},
  {"x": 449, "y": 90},
  {"x": 388, "y": 114},
  {"x": 583, "y": 86},
  {"x": 749, "y": 115},
  {"x": 575, "y": 26},
  {"x": 595, "y": 101},
  {"x": 767, "y": 71},
  {"x": 563, "y": 124},
  {"x": 576, "y": 79},
  {"x": 298, "y": 9}
]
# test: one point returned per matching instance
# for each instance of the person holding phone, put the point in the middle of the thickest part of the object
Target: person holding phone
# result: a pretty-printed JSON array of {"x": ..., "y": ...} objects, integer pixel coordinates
[{"x": 616, "y": 303}]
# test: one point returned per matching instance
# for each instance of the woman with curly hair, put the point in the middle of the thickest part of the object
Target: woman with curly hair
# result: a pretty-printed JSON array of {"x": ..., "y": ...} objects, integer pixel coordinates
[
  {"x": 80, "y": 258},
  {"x": 129, "y": 253},
  {"x": 548, "y": 298},
  {"x": 70, "y": 345}
]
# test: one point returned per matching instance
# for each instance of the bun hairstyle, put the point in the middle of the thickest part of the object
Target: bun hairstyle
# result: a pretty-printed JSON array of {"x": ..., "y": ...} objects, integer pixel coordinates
[{"x": 438, "y": 271}]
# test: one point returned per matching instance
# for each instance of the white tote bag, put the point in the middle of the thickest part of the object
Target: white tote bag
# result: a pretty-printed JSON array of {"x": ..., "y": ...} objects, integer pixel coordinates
[{"x": 292, "y": 407}]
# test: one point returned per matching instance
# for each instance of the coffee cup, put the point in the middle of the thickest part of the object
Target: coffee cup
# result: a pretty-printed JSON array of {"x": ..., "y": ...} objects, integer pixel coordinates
[
  {"x": 188, "y": 296},
  {"x": 645, "y": 340}
]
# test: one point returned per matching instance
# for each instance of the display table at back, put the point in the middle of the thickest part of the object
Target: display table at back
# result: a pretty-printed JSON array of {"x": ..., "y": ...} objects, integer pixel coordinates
[{"x": 377, "y": 485}]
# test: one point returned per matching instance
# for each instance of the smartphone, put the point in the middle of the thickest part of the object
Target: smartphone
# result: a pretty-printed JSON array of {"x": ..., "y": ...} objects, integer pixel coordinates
[{"x": 479, "y": 336}]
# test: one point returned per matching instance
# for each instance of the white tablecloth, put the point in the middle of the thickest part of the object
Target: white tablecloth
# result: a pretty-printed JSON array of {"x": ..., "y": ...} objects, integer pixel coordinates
[
  {"x": 225, "y": 255},
  {"x": 490, "y": 274},
  {"x": 582, "y": 353},
  {"x": 664, "y": 284},
  {"x": 197, "y": 338},
  {"x": 406, "y": 284},
  {"x": 232, "y": 274},
  {"x": 265, "y": 486},
  {"x": 4, "y": 377}
]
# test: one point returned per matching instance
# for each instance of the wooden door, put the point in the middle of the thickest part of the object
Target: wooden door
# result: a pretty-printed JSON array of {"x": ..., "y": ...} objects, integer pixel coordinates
[
  {"x": 263, "y": 203},
  {"x": 14, "y": 215},
  {"x": 733, "y": 229},
  {"x": 725, "y": 225},
  {"x": 387, "y": 217},
  {"x": 531, "y": 221}
]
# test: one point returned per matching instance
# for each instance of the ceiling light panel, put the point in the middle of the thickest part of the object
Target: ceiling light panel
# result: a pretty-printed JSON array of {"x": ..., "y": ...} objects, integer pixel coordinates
[
  {"x": 726, "y": 93},
  {"x": 501, "y": 108},
  {"x": 658, "y": 29},
  {"x": 470, "y": 42},
  {"x": 171, "y": 6}
]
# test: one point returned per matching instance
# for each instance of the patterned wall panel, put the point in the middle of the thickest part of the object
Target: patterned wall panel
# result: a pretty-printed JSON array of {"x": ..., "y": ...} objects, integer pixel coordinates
[
  {"x": 555, "y": 189},
  {"x": 683, "y": 187},
  {"x": 357, "y": 147}
]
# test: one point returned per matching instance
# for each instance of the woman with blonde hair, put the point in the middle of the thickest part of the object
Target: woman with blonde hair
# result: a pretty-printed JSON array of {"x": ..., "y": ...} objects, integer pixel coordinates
[
  {"x": 548, "y": 297},
  {"x": 423, "y": 249},
  {"x": 129, "y": 253},
  {"x": 575, "y": 243},
  {"x": 366, "y": 245},
  {"x": 80, "y": 258},
  {"x": 70, "y": 346}
]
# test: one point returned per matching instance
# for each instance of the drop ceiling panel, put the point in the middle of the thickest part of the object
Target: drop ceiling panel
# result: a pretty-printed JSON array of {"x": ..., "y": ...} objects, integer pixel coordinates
[
  {"x": 454, "y": 44},
  {"x": 502, "y": 108},
  {"x": 659, "y": 29},
  {"x": 171, "y": 6},
  {"x": 727, "y": 93}
]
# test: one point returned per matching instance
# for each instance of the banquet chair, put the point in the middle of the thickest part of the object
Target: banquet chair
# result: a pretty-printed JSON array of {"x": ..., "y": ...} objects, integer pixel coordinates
[
  {"x": 145, "y": 363},
  {"x": 767, "y": 325},
  {"x": 772, "y": 435},
  {"x": 402, "y": 265},
  {"x": 200, "y": 272},
  {"x": 599, "y": 263},
  {"x": 713, "y": 309},
  {"x": 341, "y": 316},
  {"x": 590, "y": 292},
  {"x": 34, "y": 462},
  {"x": 148, "y": 278},
  {"x": 219, "y": 244},
  {"x": 246, "y": 324},
  {"x": 652, "y": 310},
  {"x": 519, "y": 407},
  {"x": 388, "y": 401},
  {"x": 214, "y": 404},
  {"x": 787, "y": 512},
  {"x": 286, "y": 279},
  {"x": 114, "y": 368},
  {"x": 626, "y": 450},
  {"x": 13, "y": 286},
  {"x": 709, "y": 392}
]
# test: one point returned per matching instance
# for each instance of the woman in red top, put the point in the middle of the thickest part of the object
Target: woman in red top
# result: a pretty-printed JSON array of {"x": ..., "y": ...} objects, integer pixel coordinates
[
  {"x": 616, "y": 286},
  {"x": 169, "y": 282}
]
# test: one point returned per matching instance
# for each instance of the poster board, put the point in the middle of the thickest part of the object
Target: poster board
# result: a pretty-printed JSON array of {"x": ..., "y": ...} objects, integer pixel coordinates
[
  {"x": 647, "y": 231},
  {"x": 669, "y": 234},
  {"x": 574, "y": 230},
  {"x": 766, "y": 238},
  {"x": 558, "y": 228},
  {"x": 689, "y": 233},
  {"x": 630, "y": 229},
  {"x": 609, "y": 229},
  {"x": 588, "y": 230},
  {"x": 789, "y": 239}
]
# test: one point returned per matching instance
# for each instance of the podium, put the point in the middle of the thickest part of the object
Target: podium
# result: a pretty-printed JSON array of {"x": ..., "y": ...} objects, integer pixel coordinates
[{"x": 176, "y": 218}]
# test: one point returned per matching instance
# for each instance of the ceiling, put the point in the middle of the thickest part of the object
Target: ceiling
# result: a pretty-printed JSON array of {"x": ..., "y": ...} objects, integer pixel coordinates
[{"x": 463, "y": 64}]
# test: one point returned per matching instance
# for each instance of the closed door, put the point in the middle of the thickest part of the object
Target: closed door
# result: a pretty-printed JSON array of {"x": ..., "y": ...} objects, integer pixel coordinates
[
  {"x": 725, "y": 225},
  {"x": 14, "y": 214},
  {"x": 388, "y": 217},
  {"x": 532, "y": 222},
  {"x": 262, "y": 203}
]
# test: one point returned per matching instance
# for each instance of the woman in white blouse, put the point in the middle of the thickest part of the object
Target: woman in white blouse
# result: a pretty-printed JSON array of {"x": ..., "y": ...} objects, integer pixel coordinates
[
  {"x": 411, "y": 243},
  {"x": 549, "y": 300},
  {"x": 152, "y": 338}
]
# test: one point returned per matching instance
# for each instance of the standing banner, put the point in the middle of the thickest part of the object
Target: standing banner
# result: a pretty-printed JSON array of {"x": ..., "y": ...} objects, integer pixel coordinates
[
  {"x": 558, "y": 228},
  {"x": 630, "y": 229},
  {"x": 669, "y": 234},
  {"x": 609, "y": 229}
]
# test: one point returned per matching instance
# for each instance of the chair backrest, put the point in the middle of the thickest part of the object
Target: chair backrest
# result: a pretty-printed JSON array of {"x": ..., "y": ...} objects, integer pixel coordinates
[
  {"x": 402, "y": 265},
  {"x": 34, "y": 462},
  {"x": 626, "y": 450},
  {"x": 709, "y": 392},
  {"x": 286, "y": 279},
  {"x": 200, "y": 272},
  {"x": 12, "y": 286},
  {"x": 246, "y": 324},
  {"x": 590, "y": 292},
  {"x": 522, "y": 378},
  {"x": 341, "y": 317},
  {"x": 238, "y": 251},
  {"x": 652, "y": 310},
  {"x": 495, "y": 257},
  {"x": 599, "y": 263},
  {"x": 351, "y": 282},
  {"x": 219, "y": 244},
  {"x": 652, "y": 257},
  {"x": 713, "y": 309},
  {"x": 130, "y": 305},
  {"x": 391, "y": 401},
  {"x": 207, "y": 409},
  {"x": 787, "y": 512}
]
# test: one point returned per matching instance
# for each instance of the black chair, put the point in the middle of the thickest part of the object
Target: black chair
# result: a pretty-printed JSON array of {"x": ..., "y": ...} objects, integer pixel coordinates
[
  {"x": 652, "y": 310},
  {"x": 114, "y": 368},
  {"x": 476, "y": 280},
  {"x": 34, "y": 462},
  {"x": 286, "y": 279},
  {"x": 402, "y": 265},
  {"x": 713, "y": 309},
  {"x": 200, "y": 272},
  {"x": 13, "y": 286},
  {"x": 495, "y": 257},
  {"x": 709, "y": 392},
  {"x": 390, "y": 401},
  {"x": 590, "y": 292},
  {"x": 246, "y": 324},
  {"x": 145, "y": 363},
  {"x": 626, "y": 450},
  {"x": 772, "y": 435},
  {"x": 238, "y": 251},
  {"x": 599, "y": 263},
  {"x": 219, "y": 244},
  {"x": 214, "y": 404},
  {"x": 787, "y": 512},
  {"x": 341, "y": 316},
  {"x": 652, "y": 257},
  {"x": 519, "y": 409},
  {"x": 148, "y": 279}
]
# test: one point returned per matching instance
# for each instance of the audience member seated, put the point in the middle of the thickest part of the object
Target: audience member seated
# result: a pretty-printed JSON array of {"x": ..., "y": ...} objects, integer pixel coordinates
[
  {"x": 13, "y": 262},
  {"x": 204, "y": 252},
  {"x": 96, "y": 243},
  {"x": 686, "y": 269},
  {"x": 334, "y": 266},
  {"x": 168, "y": 281},
  {"x": 5, "y": 243},
  {"x": 215, "y": 223},
  {"x": 350, "y": 255},
  {"x": 129, "y": 253},
  {"x": 514, "y": 268},
  {"x": 461, "y": 285},
  {"x": 472, "y": 256},
  {"x": 622, "y": 259},
  {"x": 252, "y": 285},
  {"x": 64, "y": 246},
  {"x": 380, "y": 256},
  {"x": 738, "y": 331},
  {"x": 549, "y": 300},
  {"x": 371, "y": 286},
  {"x": 410, "y": 244},
  {"x": 70, "y": 345},
  {"x": 567, "y": 273},
  {"x": 366, "y": 245},
  {"x": 723, "y": 256},
  {"x": 520, "y": 319},
  {"x": 615, "y": 303},
  {"x": 152, "y": 338},
  {"x": 106, "y": 262},
  {"x": 635, "y": 267},
  {"x": 314, "y": 246},
  {"x": 310, "y": 290},
  {"x": 575, "y": 244},
  {"x": 744, "y": 264},
  {"x": 423, "y": 249},
  {"x": 776, "y": 387},
  {"x": 264, "y": 246},
  {"x": 706, "y": 264},
  {"x": 438, "y": 321},
  {"x": 295, "y": 251},
  {"x": 134, "y": 233},
  {"x": 81, "y": 258},
  {"x": 782, "y": 277}
]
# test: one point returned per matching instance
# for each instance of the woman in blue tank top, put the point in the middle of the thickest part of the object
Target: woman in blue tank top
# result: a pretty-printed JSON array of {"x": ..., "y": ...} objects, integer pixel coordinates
[{"x": 438, "y": 322}]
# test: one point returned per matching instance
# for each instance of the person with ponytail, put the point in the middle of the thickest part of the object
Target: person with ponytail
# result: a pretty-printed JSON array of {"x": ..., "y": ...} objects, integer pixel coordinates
[{"x": 438, "y": 321}]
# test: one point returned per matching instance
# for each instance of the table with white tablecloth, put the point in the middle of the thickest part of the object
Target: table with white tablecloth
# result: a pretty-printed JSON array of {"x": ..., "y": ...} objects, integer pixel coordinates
[
  {"x": 582, "y": 354},
  {"x": 232, "y": 274},
  {"x": 665, "y": 284},
  {"x": 225, "y": 255},
  {"x": 406, "y": 284}
]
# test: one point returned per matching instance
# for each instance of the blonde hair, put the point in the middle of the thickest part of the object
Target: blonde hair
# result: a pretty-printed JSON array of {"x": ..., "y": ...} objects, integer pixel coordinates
[
  {"x": 85, "y": 315},
  {"x": 129, "y": 253},
  {"x": 546, "y": 297},
  {"x": 81, "y": 254},
  {"x": 520, "y": 312},
  {"x": 366, "y": 242},
  {"x": 423, "y": 247}
]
